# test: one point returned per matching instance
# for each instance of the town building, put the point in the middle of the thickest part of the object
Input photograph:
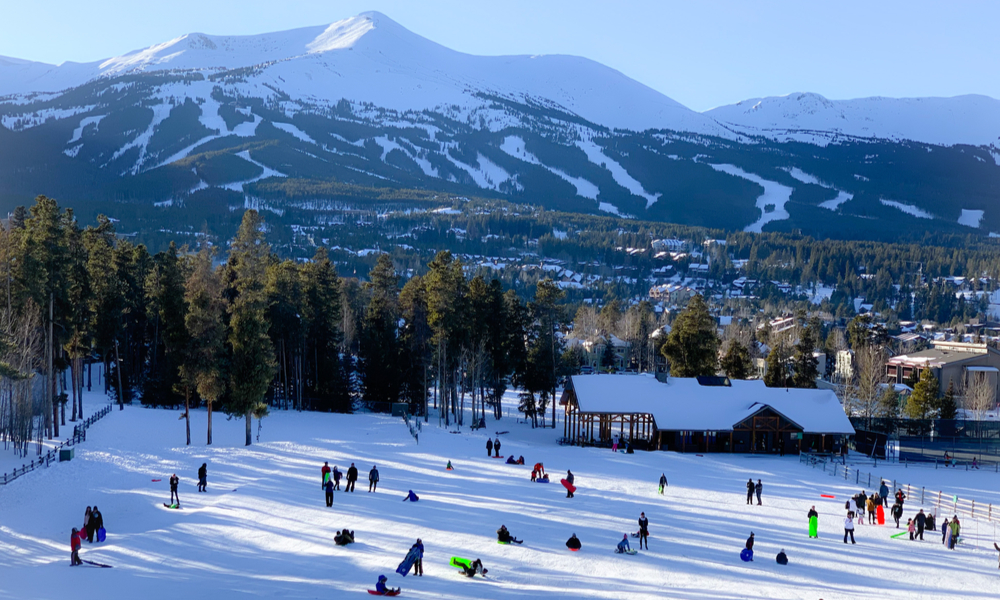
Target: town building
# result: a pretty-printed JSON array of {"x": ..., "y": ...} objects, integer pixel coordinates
[{"x": 949, "y": 362}]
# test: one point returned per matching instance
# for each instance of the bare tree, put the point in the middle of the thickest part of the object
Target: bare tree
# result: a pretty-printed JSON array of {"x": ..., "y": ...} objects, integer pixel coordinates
[
  {"x": 861, "y": 395},
  {"x": 980, "y": 395}
]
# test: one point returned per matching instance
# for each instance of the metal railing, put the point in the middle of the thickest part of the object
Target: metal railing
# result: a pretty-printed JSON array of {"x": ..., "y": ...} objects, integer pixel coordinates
[
  {"x": 950, "y": 503},
  {"x": 79, "y": 435}
]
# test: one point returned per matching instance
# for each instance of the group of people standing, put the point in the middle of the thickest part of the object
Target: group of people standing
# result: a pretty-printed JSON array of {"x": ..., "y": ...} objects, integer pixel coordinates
[
  {"x": 93, "y": 524},
  {"x": 493, "y": 445},
  {"x": 330, "y": 480},
  {"x": 754, "y": 488}
]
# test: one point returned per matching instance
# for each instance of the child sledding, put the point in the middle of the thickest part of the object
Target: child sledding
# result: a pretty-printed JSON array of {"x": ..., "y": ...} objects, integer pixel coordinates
[
  {"x": 382, "y": 590},
  {"x": 624, "y": 548},
  {"x": 411, "y": 497},
  {"x": 504, "y": 536}
]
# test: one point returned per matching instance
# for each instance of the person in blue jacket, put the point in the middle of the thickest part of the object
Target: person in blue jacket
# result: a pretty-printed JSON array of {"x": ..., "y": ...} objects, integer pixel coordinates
[
  {"x": 623, "y": 545},
  {"x": 381, "y": 588}
]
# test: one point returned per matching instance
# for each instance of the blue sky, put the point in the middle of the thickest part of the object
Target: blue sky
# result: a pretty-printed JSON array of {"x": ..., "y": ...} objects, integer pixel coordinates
[{"x": 702, "y": 53}]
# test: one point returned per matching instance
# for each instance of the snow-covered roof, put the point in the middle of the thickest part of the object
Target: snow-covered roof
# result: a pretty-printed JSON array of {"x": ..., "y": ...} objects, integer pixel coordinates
[{"x": 683, "y": 404}]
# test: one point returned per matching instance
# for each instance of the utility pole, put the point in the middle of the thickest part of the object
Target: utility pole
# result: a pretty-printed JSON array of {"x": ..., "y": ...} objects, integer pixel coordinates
[
  {"x": 51, "y": 376},
  {"x": 118, "y": 369}
]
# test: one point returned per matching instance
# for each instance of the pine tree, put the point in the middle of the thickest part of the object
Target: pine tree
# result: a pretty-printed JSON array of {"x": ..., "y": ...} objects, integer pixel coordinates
[
  {"x": 692, "y": 346},
  {"x": 446, "y": 309},
  {"x": 546, "y": 348},
  {"x": 286, "y": 304},
  {"x": 804, "y": 365},
  {"x": 737, "y": 363},
  {"x": 415, "y": 345},
  {"x": 608, "y": 355},
  {"x": 252, "y": 364},
  {"x": 946, "y": 406},
  {"x": 167, "y": 308},
  {"x": 776, "y": 374},
  {"x": 325, "y": 371},
  {"x": 204, "y": 362},
  {"x": 378, "y": 360},
  {"x": 924, "y": 398}
]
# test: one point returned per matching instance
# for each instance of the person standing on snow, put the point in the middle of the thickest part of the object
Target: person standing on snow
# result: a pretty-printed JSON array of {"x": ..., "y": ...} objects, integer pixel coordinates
[
  {"x": 849, "y": 527},
  {"x": 88, "y": 528},
  {"x": 328, "y": 486},
  {"x": 489, "y": 447},
  {"x": 663, "y": 482},
  {"x": 336, "y": 478},
  {"x": 174, "y": 482},
  {"x": 203, "y": 477},
  {"x": 643, "y": 530},
  {"x": 352, "y": 477},
  {"x": 418, "y": 564},
  {"x": 900, "y": 496},
  {"x": 809, "y": 517},
  {"x": 614, "y": 444},
  {"x": 870, "y": 505},
  {"x": 956, "y": 529},
  {"x": 921, "y": 521},
  {"x": 324, "y": 475},
  {"x": 97, "y": 520},
  {"x": 75, "y": 539},
  {"x": 570, "y": 479},
  {"x": 758, "y": 488},
  {"x": 372, "y": 479},
  {"x": 750, "y": 488},
  {"x": 883, "y": 492},
  {"x": 496, "y": 446},
  {"x": 897, "y": 513}
]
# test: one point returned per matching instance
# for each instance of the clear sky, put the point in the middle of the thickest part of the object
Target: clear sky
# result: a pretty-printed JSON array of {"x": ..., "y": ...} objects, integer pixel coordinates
[{"x": 702, "y": 53}]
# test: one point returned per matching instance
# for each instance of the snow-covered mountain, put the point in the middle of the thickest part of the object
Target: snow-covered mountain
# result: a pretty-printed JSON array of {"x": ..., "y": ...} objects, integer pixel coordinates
[
  {"x": 811, "y": 118},
  {"x": 257, "y": 120},
  {"x": 371, "y": 58}
]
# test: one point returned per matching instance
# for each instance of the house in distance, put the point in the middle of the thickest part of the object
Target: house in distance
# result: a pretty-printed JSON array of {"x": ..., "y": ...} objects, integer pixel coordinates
[{"x": 704, "y": 414}]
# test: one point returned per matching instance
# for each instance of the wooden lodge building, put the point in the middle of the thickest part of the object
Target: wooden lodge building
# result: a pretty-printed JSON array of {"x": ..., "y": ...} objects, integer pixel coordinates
[{"x": 705, "y": 414}]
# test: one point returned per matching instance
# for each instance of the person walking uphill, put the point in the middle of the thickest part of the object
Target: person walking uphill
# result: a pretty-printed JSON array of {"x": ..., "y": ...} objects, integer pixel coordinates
[
  {"x": 324, "y": 474},
  {"x": 921, "y": 521},
  {"x": 352, "y": 476},
  {"x": 750, "y": 488},
  {"x": 489, "y": 447},
  {"x": 758, "y": 489},
  {"x": 813, "y": 518},
  {"x": 643, "y": 530},
  {"x": 75, "y": 539},
  {"x": 97, "y": 520},
  {"x": 336, "y": 478},
  {"x": 883, "y": 493},
  {"x": 663, "y": 482},
  {"x": 849, "y": 527},
  {"x": 496, "y": 447},
  {"x": 897, "y": 513},
  {"x": 373, "y": 479},
  {"x": 203, "y": 477},
  {"x": 570, "y": 479},
  {"x": 174, "y": 481}
]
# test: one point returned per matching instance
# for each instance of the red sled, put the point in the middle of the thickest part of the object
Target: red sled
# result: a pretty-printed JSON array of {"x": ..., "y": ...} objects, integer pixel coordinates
[
  {"x": 827, "y": 496},
  {"x": 569, "y": 486},
  {"x": 390, "y": 593},
  {"x": 499, "y": 457}
]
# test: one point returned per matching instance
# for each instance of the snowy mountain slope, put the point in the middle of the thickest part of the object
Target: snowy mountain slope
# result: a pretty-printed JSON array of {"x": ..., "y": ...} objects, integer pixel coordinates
[
  {"x": 371, "y": 58},
  {"x": 811, "y": 118},
  {"x": 262, "y": 529},
  {"x": 364, "y": 101}
]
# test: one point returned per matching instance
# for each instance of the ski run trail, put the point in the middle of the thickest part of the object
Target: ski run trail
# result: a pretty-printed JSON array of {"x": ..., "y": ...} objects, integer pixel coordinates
[{"x": 263, "y": 529}]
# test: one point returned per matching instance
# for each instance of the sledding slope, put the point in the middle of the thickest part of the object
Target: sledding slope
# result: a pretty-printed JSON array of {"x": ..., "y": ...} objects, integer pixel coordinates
[{"x": 273, "y": 536}]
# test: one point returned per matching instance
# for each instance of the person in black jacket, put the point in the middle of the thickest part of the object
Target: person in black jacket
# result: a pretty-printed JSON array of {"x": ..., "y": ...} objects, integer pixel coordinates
[
  {"x": 921, "y": 523},
  {"x": 496, "y": 447},
  {"x": 643, "y": 530},
  {"x": 750, "y": 488},
  {"x": 573, "y": 543},
  {"x": 489, "y": 447},
  {"x": 97, "y": 519},
  {"x": 174, "y": 481},
  {"x": 352, "y": 476},
  {"x": 782, "y": 558},
  {"x": 203, "y": 477},
  {"x": 504, "y": 536},
  {"x": 328, "y": 486},
  {"x": 897, "y": 513},
  {"x": 569, "y": 478},
  {"x": 750, "y": 542},
  {"x": 758, "y": 488}
]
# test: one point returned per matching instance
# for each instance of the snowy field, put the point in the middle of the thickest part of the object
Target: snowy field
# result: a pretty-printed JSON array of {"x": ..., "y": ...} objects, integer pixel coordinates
[{"x": 263, "y": 529}]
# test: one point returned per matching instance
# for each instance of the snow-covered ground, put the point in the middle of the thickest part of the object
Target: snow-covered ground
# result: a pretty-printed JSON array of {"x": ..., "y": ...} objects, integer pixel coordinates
[{"x": 263, "y": 529}]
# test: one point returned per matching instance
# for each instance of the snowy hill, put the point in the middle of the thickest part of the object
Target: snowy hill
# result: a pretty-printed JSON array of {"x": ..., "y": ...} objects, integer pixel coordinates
[
  {"x": 811, "y": 118},
  {"x": 263, "y": 530},
  {"x": 234, "y": 121}
]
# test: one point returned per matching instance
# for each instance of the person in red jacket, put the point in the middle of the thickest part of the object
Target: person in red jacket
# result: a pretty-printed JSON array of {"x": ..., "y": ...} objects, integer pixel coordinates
[
  {"x": 324, "y": 472},
  {"x": 75, "y": 539}
]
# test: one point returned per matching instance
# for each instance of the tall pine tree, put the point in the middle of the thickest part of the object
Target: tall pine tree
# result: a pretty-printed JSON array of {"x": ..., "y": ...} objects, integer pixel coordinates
[{"x": 692, "y": 346}]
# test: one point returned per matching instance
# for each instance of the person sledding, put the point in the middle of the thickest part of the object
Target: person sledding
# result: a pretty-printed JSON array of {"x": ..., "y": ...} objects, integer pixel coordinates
[
  {"x": 381, "y": 589},
  {"x": 573, "y": 543},
  {"x": 520, "y": 460},
  {"x": 504, "y": 536},
  {"x": 749, "y": 546},
  {"x": 449, "y": 467},
  {"x": 411, "y": 497},
  {"x": 623, "y": 546},
  {"x": 473, "y": 568},
  {"x": 344, "y": 537},
  {"x": 511, "y": 460}
]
